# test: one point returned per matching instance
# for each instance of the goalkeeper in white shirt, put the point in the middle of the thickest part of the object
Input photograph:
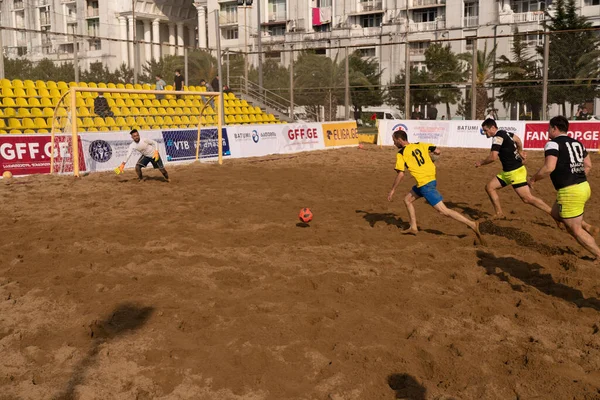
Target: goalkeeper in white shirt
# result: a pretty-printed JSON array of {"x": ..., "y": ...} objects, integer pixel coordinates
[{"x": 149, "y": 150}]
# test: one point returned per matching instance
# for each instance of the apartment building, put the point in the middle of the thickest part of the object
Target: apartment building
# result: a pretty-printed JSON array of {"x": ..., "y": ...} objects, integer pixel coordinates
[{"x": 165, "y": 25}]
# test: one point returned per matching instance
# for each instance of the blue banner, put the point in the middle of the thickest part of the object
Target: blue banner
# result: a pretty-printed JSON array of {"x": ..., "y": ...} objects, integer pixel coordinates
[{"x": 181, "y": 144}]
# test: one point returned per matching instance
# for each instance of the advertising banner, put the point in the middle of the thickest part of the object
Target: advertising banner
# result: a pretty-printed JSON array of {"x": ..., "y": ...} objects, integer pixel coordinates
[
  {"x": 469, "y": 134},
  {"x": 180, "y": 144},
  {"x": 435, "y": 131},
  {"x": 293, "y": 138},
  {"x": 588, "y": 133},
  {"x": 253, "y": 140},
  {"x": 104, "y": 151},
  {"x": 340, "y": 134},
  {"x": 30, "y": 154}
]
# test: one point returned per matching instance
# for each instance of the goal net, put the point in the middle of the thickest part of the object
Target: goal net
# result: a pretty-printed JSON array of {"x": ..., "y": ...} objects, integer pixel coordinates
[{"x": 187, "y": 122}]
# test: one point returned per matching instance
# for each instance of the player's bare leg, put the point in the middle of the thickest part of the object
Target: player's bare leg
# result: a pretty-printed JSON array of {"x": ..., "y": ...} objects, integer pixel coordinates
[
  {"x": 575, "y": 228},
  {"x": 138, "y": 171},
  {"x": 591, "y": 229},
  {"x": 525, "y": 194},
  {"x": 491, "y": 189},
  {"x": 165, "y": 174},
  {"x": 442, "y": 209},
  {"x": 412, "y": 216}
]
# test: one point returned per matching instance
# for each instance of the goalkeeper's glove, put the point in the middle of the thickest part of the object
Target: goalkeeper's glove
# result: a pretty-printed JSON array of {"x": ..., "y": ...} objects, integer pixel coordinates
[
  {"x": 156, "y": 156},
  {"x": 122, "y": 167}
]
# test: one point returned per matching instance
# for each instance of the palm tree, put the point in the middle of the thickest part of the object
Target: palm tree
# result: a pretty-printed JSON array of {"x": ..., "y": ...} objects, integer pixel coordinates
[{"x": 484, "y": 75}]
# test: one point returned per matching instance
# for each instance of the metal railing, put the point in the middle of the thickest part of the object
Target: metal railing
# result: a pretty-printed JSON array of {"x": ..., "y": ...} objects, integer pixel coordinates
[
  {"x": 532, "y": 16},
  {"x": 264, "y": 96},
  {"x": 471, "y": 21}
]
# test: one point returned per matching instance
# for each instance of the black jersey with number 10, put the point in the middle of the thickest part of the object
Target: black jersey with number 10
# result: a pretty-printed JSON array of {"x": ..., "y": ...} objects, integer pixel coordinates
[
  {"x": 504, "y": 144},
  {"x": 569, "y": 166}
]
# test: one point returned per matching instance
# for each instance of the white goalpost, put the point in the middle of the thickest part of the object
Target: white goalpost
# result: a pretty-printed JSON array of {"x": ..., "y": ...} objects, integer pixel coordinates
[{"x": 65, "y": 140}]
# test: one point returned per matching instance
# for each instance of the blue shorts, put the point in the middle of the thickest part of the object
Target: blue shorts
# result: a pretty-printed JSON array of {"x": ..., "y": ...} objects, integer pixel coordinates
[{"x": 429, "y": 191}]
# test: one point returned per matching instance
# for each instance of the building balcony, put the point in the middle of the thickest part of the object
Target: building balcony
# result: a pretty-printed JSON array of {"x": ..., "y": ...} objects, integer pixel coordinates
[
  {"x": 18, "y": 5},
  {"x": 370, "y": 5},
  {"x": 532, "y": 16},
  {"x": 67, "y": 1},
  {"x": 93, "y": 13},
  {"x": 279, "y": 16},
  {"x": 427, "y": 26},
  {"x": 43, "y": 3},
  {"x": 420, "y": 51},
  {"x": 426, "y": 3},
  {"x": 228, "y": 19},
  {"x": 45, "y": 21},
  {"x": 472, "y": 21}
]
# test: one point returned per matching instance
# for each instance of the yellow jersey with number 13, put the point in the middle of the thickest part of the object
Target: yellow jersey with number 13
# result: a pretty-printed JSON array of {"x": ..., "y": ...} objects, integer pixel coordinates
[{"x": 415, "y": 158}]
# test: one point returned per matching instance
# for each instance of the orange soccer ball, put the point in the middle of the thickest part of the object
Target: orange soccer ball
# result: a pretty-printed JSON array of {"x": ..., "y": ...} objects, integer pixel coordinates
[{"x": 305, "y": 215}]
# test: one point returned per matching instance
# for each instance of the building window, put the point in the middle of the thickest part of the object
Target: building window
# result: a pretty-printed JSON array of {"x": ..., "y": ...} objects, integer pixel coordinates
[
  {"x": 322, "y": 28},
  {"x": 425, "y": 15},
  {"x": 419, "y": 66},
  {"x": 228, "y": 13},
  {"x": 95, "y": 44},
  {"x": 534, "y": 39},
  {"x": 371, "y": 20},
  {"x": 276, "y": 30},
  {"x": 93, "y": 27},
  {"x": 323, "y": 3},
  {"x": 522, "y": 6},
  {"x": 17, "y": 4},
  {"x": 273, "y": 55},
  {"x": 66, "y": 48},
  {"x": 418, "y": 48},
  {"x": 469, "y": 43},
  {"x": 44, "y": 16},
  {"x": 92, "y": 8},
  {"x": 592, "y": 2},
  {"x": 230, "y": 34},
  {"x": 321, "y": 51},
  {"x": 366, "y": 52},
  {"x": 277, "y": 10}
]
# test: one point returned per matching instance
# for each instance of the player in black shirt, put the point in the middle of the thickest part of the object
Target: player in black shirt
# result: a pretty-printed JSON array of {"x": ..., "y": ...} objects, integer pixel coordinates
[
  {"x": 567, "y": 163},
  {"x": 509, "y": 149}
]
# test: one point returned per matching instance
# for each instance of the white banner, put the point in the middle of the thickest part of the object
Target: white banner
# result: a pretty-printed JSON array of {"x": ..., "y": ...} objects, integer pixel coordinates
[
  {"x": 469, "y": 134},
  {"x": 253, "y": 140},
  {"x": 293, "y": 138},
  {"x": 104, "y": 151},
  {"x": 427, "y": 131}
]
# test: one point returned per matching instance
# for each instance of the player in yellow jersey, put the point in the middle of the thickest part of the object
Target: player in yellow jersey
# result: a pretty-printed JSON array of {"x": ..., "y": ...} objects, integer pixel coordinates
[{"x": 415, "y": 158}]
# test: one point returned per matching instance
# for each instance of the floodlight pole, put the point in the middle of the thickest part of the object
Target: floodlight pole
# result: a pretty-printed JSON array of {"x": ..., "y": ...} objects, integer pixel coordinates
[
  {"x": 474, "y": 81},
  {"x": 134, "y": 55},
  {"x": 75, "y": 58},
  {"x": 545, "y": 79},
  {"x": 1, "y": 55},
  {"x": 260, "y": 70},
  {"x": 221, "y": 102}
]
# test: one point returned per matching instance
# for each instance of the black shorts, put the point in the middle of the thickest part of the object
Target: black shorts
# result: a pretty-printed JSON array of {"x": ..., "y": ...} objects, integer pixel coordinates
[{"x": 143, "y": 162}]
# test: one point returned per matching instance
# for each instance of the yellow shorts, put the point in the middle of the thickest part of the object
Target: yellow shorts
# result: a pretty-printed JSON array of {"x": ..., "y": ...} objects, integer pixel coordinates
[
  {"x": 516, "y": 177},
  {"x": 571, "y": 199}
]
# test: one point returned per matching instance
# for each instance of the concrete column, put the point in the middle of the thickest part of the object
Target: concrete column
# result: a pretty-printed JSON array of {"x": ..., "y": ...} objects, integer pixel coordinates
[
  {"x": 123, "y": 37},
  {"x": 156, "y": 38},
  {"x": 130, "y": 38},
  {"x": 202, "y": 42},
  {"x": 148, "y": 40},
  {"x": 172, "y": 39},
  {"x": 180, "y": 42},
  {"x": 192, "y": 36}
]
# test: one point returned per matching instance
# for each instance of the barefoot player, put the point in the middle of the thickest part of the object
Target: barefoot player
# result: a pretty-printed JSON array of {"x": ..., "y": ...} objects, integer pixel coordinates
[
  {"x": 415, "y": 157},
  {"x": 568, "y": 162},
  {"x": 148, "y": 149},
  {"x": 509, "y": 149}
]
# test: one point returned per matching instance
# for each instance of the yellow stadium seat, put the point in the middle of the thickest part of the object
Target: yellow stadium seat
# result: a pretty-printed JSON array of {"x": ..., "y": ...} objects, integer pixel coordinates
[
  {"x": 138, "y": 103},
  {"x": 128, "y": 102},
  {"x": 6, "y": 83},
  {"x": 272, "y": 118},
  {"x": 196, "y": 103},
  {"x": 121, "y": 86},
  {"x": 177, "y": 120},
  {"x": 120, "y": 121},
  {"x": 3, "y": 132},
  {"x": 150, "y": 120},
  {"x": 168, "y": 120},
  {"x": 161, "y": 111},
  {"x": 44, "y": 95},
  {"x": 229, "y": 119},
  {"x": 49, "y": 122},
  {"x": 61, "y": 112},
  {"x": 92, "y": 129},
  {"x": 72, "y": 84},
  {"x": 28, "y": 123},
  {"x": 189, "y": 103},
  {"x": 61, "y": 85},
  {"x": 140, "y": 121},
  {"x": 111, "y": 102},
  {"x": 185, "y": 120},
  {"x": 83, "y": 112},
  {"x": 33, "y": 102},
  {"x": 82, "y": 84},
  {"x": 36, "y": 112},
  {"x": 31, "y": 92},
  {"x": 245, "y": 119},
  {"x": 104, "y": 129},
  {"x": 87, "y": 121},
  {"x": 193, "y": 120},
  {"x": 55, "y": 93},
  {"x": 144, "y": 111},
  {"x": 89, "y": 102},
  {"x": 2, "y": 123},
  {"x": 29, "y": 130},
  {"x": 9, "y": 112},
  {"x": 7, "y": 92},
  {"x": 134, "y": 111},
  {"x": 40, "y": 84},
  {"x": 40, "y": 123},
  {"x": 210, "y": 119},
  {"x": 23, "y": 112},
  {"x": 229, "y": 111},
  {"x": 80, "y": 102},
  {"x": 194, "y": 110},
  {"x": 164, "y": 103},
  {"x": 120, "y": 103},
  {"x": 14, "y": 123},
  {"x": 109, "y": 121},
  {"x": 186, "y": 111},
  {"x": 103, "y": 85},
  {"x": 21, "y": 102},
  {"x": 244, "y": 103},
  {"x": 17, "y": 83},
  {"x": 130, "y": 121},
  {"x": 252, "y": 118},
  {"x": 258, "y": 118},
  {"x": 42, "y": 130},
  {"x": 159, "y": 121},
  {"x": 99, "y": 122},
  {"x": 51, "y": 85},
  {"x": 28, "y": 83},
  {"x": 238, "y": 119}
]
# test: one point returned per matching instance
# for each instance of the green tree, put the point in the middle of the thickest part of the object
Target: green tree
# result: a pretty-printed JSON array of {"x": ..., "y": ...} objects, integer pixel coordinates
[
  {"x": 365, "y": 89},
  {"x": 484, "y": 75},
  {"x": 319, "y": 81},
  {"x": 277, "y": 82},
  {"x": 522, "y": 78},
  {"x": 446, "y": 70},
  {"x": 17, "y": 68},
  {"x": 422, "y": 90},
  {"x": 569, "y": 46}
]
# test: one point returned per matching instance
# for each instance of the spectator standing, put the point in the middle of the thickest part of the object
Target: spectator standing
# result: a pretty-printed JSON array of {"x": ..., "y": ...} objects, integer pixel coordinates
[
  {"x": 160, "y": 85},
  {"x": 216, "y": 85},
  {"x": 101, "y": 107},
  {"x": 178, "y": 81},
  {"x": 582, "y": 114}
]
